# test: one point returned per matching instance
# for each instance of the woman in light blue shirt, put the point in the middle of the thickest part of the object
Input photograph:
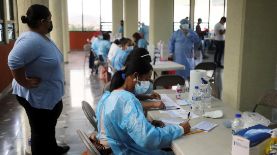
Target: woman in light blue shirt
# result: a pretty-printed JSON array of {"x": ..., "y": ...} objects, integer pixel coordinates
[
  {"x": 120, "y": 115},
  {"x": 37, "y": 67}
]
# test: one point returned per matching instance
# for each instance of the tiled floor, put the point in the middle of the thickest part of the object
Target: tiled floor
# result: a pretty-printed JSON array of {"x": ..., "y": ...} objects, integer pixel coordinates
[{"x": 80, "y": 85}]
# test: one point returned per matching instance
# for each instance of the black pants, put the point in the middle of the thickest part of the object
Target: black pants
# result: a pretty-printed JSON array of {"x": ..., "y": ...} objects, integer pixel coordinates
[
  {"x": 42, "y": 123},
  {"x": 219, "y": 51}
]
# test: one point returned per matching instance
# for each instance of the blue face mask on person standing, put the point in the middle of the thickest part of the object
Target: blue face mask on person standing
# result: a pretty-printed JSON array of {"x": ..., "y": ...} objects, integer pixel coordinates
[{"x": 143, "y": 87}]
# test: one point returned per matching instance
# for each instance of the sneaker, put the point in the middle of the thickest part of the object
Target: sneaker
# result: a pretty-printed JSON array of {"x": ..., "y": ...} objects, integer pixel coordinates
[{"x": 62, "y": 149}]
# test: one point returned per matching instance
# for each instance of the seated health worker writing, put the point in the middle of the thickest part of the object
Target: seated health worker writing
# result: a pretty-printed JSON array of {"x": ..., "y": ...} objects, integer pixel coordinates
[{"x": 123, "y": 121}]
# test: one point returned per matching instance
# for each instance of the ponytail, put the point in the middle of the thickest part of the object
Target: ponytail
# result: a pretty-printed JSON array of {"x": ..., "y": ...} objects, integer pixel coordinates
[{"x": 118, "y": 80}]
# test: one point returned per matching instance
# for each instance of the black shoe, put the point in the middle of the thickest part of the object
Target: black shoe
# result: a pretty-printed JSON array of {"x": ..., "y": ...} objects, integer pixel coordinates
[{"x": 62, "y": 149}]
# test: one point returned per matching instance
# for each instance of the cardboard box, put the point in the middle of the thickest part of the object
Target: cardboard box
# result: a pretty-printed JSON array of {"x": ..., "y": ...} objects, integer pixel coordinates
[{"x": 241, "y": 146}]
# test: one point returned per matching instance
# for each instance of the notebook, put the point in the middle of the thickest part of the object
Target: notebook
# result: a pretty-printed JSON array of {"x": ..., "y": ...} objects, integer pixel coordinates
[{"x": 205, "y": 125}]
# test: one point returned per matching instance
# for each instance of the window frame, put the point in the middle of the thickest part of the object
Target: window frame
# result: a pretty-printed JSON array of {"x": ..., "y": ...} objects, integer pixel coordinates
[{"x": 5, "y": 21}]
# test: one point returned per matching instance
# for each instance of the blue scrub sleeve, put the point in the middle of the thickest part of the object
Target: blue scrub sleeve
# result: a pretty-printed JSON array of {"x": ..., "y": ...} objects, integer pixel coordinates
[
  {"x": 193, "y": 37},
  {"x": 171, "y": 43},
  {"x": 144, "y": 133},
  {"x": 23, "y": 53}
]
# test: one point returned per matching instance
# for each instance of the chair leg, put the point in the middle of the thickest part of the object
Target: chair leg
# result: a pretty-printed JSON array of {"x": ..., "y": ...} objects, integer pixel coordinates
[{"x": 254, "y": 110}]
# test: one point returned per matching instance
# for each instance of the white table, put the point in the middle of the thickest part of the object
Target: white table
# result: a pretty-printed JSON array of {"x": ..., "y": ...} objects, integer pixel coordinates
[
  {"x": 166, "y": 66},
  {"x": 216, "y": 142}
]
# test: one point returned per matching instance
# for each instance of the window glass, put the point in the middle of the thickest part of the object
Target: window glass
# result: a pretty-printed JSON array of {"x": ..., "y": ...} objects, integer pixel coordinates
[
  {"x": 11, "y": 31},
  {"x": 106, "y": 15},
  {"x": 144, "y": 11},
  {"x": 217, "y": 11},
  {"x": 1, "y": 33},
  {"x": 181, "y": 11},
  {"x": 75, "y": 15},
  {"x": 202, "y": 11}
]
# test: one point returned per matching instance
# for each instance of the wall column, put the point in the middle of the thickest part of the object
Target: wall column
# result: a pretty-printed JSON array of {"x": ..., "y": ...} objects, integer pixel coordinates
[
  {"x": 117, "y": 15},
  {"x": 22, "y": 6},
  {"x": 161, "y": 22},
  {"x": 56, "y": 34},
  {"x": 130, "y": 17},
  {"x": 65, "y": 30},
  {"x": 250, "y": 52}
]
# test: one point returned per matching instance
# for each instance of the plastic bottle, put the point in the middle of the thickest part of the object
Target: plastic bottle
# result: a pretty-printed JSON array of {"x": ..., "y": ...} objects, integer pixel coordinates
[
  {"x": 178, "y": 92},
  {"x": 271, "y": 147},
  {"x": 237, "y": 124},
  {"x": 206, "y": 90},
  {"x": 196, "y": 105}
]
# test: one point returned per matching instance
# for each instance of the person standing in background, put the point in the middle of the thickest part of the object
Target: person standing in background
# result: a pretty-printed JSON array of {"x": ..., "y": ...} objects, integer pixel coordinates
[
  {"x": 201, "y": 34},
  {"x": 121, "y": 28},
  {"x": 219, "y": 31},
  {"x": 37, "y": 67},
  {"x": 181, "y": 46}
]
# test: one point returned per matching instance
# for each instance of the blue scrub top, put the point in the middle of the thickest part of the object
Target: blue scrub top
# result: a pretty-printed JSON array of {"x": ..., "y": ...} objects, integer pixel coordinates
[
  {"x": 95, "y": 46},
  {"x": 104, "y": 47},
  {"x": 119, "y": 59},
  {"x": 142, "y": 43},
  {"x": 41, "y": 58},
  {"x": 126, "y": 128},
  {"x": 181, "y": 47}
]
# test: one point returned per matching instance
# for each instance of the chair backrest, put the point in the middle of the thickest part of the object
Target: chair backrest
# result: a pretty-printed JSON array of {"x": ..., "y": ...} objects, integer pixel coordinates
[
  {"x": 269, "y": 99},
  {"x": 208, "y": 66},
  {"x": 168, "y": 81},
  {"x": 90, "y": 114},
  {"x": 90, "y": 147}
]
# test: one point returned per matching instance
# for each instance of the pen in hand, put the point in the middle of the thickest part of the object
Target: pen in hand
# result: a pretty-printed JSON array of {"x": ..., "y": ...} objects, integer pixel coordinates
[{"x": 188, "y": 116}]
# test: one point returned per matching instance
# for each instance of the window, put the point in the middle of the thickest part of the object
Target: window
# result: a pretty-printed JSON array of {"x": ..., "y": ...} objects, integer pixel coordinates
[
  {"x": 106, "y": 15},
  {"x": 7, "y": 20},
  {"x": 90, "y": 15},
  {"x": 1, "y": 21},
  {"x": 181, "y": 11},
  {"x": 217, "y": 11},
  {"x": 144, "y": 11},
  {"x": 10, "y": 19},
  {"x": 202, "y": 11},
  {"x": 210, "y": 11}
]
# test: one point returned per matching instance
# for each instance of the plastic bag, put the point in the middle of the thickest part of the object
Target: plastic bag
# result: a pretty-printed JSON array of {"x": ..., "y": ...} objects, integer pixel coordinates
[{"x": 253, "y": 118}]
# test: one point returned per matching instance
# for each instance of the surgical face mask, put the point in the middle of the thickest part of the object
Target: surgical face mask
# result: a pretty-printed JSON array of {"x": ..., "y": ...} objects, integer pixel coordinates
[
  {"x": 143, "y": 87},
  {"x": 50, "y": 28},
  {"x": 185, "y": 26}
]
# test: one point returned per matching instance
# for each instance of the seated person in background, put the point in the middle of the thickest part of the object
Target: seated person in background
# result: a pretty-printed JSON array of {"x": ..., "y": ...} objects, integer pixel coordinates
[
  {"x": 104, "y": 47},
  {"x": 139, "y": 41},
  {"x": 121, "y": 120},
  {"x": 95, "y": 44},
  {"x": 121, "y": 54},
  {"x": 113, "y": 49}
]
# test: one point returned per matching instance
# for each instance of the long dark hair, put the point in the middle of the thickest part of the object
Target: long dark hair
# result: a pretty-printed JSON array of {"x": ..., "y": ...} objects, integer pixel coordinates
[
  {"x": 135, "y": 63},
  {"x": 34, "y": 14}
]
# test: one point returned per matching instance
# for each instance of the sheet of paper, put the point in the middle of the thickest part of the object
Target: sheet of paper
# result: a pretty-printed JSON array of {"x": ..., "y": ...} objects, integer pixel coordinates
[
  {"x": 205, "y": 125},
  {"x": 183, "y": 102},
  {"x": 171, "y": 121},
  {"x": 180, "y": 113},
  {"x": 168, "y": 101}
]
